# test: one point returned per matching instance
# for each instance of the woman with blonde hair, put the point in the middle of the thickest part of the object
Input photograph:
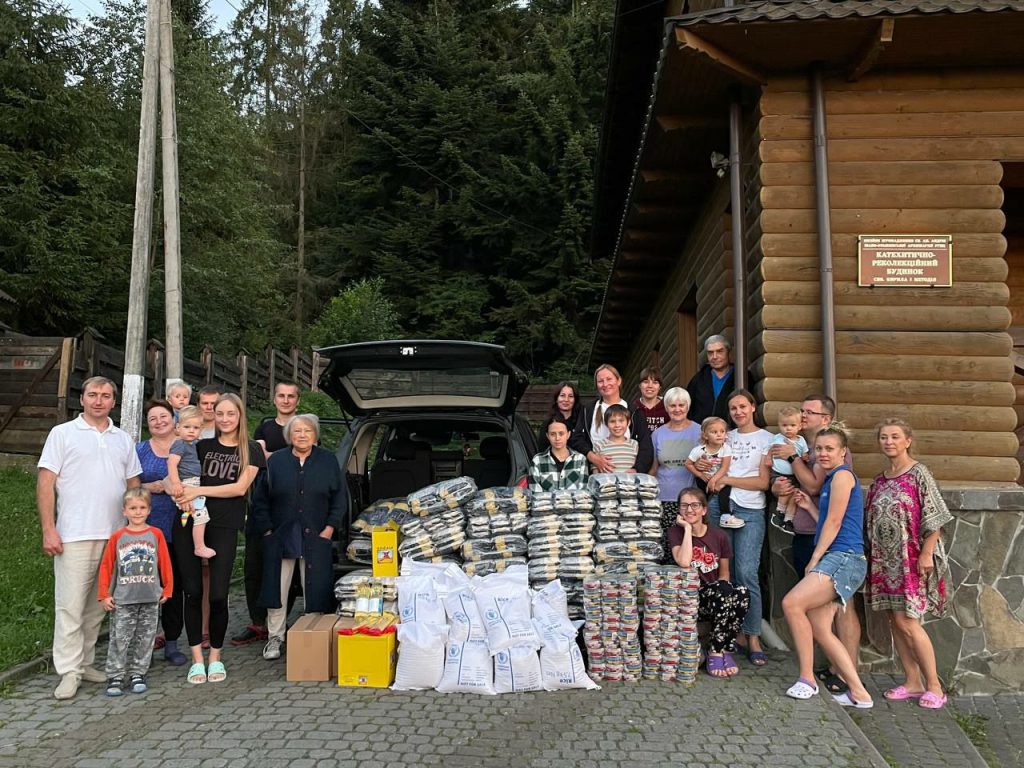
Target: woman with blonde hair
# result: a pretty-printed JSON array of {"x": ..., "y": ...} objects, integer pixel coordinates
[
  {"x": 907, "y": 569},
  {"x": 230, "y": 461},
  {"x": 833, "y": 575},
  {"x": 590, "y": 426}
]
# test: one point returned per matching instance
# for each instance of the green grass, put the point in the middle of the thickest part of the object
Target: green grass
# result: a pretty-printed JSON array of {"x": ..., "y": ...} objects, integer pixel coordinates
[
  {"x": 26, "y": 576},
  {"x": 974, "y": 727}
]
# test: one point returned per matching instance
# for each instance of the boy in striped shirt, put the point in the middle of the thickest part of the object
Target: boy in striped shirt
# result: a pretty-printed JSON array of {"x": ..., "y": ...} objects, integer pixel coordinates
[{"x": 618, "y": 448}]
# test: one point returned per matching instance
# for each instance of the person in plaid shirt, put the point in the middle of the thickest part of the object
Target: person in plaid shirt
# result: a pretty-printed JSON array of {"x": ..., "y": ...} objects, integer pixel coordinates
[{"x": 558, "y": 468}]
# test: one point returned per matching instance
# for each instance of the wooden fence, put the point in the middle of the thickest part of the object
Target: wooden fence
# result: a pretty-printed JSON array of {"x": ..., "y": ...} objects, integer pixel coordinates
[{"x": 41, "y": 379}]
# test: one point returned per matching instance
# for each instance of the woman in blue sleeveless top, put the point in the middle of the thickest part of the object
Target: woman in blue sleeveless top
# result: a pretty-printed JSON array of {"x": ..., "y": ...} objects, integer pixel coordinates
[{"x": 835, "y": 572}]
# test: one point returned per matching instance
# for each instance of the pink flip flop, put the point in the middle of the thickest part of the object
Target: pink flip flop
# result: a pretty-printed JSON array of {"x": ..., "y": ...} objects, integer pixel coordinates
[
  {"x": 900, "y": 693},
  {"x": 930, "y": 701}
]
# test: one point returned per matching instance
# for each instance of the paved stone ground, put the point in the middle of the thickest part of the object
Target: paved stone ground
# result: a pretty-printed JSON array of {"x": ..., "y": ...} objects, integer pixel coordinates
[
  {"x": 905, "y": 735},
  {"x": 256, "y": 718},
  {"x": 1002, "y": 723}
]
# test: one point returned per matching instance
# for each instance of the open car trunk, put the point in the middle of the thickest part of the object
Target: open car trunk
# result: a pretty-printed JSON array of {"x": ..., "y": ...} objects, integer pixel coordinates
[{"x": 379, "y": 376}]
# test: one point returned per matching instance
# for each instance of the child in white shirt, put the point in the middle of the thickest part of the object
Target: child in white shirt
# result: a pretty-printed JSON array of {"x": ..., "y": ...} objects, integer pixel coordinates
[{"x": 713, "y": 448}]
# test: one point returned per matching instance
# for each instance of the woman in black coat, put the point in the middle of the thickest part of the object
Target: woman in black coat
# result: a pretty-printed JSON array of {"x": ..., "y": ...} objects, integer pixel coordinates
[{"x": 299, "y": 503}]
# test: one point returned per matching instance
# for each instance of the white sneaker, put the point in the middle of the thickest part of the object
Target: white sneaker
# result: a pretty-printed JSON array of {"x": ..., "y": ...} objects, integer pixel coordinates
[
  {"x": 730, "y": 521},
  {"x": 68, "y": 686},
  {"x": 93, "y": 675},
  {"x": 272, "y": 650}
]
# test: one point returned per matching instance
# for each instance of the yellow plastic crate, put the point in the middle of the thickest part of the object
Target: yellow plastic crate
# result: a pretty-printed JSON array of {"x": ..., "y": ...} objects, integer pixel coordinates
[{"x": 366, "y": 661}]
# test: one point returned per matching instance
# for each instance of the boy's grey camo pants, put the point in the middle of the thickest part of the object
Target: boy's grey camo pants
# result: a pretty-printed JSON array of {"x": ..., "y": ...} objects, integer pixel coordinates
[{"x": 132, "y": 629}]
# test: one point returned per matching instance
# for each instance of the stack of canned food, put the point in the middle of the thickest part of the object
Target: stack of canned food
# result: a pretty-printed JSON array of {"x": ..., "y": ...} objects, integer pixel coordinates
[
  {"x": 612, "y": 616},
  {"x": 671, "y": 647}
]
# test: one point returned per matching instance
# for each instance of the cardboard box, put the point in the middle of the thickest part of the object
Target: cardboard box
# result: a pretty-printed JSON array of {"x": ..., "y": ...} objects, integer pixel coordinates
[
  {"x": 365, "y": 661},
  {"x": 310, "y": 648},
  {"x": 385, "y": 551}
]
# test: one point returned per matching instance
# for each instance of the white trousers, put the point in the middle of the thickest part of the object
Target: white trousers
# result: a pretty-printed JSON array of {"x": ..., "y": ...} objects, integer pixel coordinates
[
  {"x": 77, "y": 612},
  {"x": 277, "y": 617}
]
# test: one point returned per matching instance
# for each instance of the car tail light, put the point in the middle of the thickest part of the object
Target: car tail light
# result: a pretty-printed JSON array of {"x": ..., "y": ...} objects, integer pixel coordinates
[{"x": 523, "y": 482}]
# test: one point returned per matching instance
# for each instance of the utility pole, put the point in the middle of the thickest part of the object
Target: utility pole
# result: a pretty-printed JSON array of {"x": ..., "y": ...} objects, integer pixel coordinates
[
  {"x": 138, "y": 294},
  {"x": 174, "y": 355}
]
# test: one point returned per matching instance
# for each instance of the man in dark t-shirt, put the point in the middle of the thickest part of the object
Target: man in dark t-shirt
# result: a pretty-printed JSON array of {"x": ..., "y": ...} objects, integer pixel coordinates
[
  {"x": 270, "y": 432},
  {"x": 270, "y": 436}
]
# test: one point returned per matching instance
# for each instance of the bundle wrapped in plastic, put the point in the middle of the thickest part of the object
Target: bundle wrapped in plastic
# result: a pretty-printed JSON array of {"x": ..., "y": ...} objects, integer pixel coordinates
[
  {"x": 435, "y": 523},
  {"x": 561, "y": 502},
  {"x": 608, "y": 551},
  {"x": 498, "y": 548},
  {"x": 603, "y": 485},
  {"x": 623, "y": 485},
  {"x": 543, "y": 526},
  {"x": 345, "y": 587},
  {"x": 448, "y": 494},
  {"x": 572, "y": 545},
  {"x": 423, "y": 546},
  {"x": 491, "y": 501},
  {"x": 480, "y": 526},
  {"x": 575, "y": 567},
  {"x": 623, "y": 567},
  {"x": 360, "y": 550},
  {"x": 374, "y": 516},
  {"x": 345, "y": 590},
  {"x": 487, "y": 567}
]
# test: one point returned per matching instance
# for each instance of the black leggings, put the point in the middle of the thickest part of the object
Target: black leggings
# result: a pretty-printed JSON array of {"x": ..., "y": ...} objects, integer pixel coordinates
[
  {"x": 171, "y": 612},
  {"x": 223, "y": 541}
]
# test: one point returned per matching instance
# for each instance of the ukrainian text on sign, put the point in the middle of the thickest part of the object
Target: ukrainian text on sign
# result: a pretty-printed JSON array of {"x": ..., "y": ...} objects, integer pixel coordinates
[{"x": 905, "y": 261}]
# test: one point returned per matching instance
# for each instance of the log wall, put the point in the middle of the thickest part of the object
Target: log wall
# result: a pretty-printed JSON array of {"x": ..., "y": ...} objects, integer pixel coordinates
[
  {"x": 705, "y": 263},
  {"x": 909, "y": 153}
]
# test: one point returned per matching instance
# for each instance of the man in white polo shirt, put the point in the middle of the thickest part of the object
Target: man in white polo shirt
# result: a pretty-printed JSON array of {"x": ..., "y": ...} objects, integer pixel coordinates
[{"x": 85, "y": 467}]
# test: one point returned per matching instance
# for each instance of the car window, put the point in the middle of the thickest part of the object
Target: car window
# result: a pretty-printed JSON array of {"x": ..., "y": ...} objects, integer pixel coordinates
[{"x": 378, "y": 384}]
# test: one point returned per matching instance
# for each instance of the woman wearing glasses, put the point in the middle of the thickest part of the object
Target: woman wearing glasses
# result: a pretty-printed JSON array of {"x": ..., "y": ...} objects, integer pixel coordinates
[{"x": 696, "y": 544}]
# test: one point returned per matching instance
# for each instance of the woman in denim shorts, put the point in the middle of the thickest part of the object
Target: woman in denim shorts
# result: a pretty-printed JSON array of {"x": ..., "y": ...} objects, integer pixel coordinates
[{"x": 836, "y": 570}]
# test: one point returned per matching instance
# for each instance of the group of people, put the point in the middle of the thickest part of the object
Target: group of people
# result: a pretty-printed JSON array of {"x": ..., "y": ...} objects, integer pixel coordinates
[
  {"x": 716, "y": 472},
  {"x": 185, "y": 494}
]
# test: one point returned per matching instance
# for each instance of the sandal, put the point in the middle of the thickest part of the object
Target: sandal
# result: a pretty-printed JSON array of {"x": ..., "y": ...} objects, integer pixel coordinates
[
  {"x": 217, "y": 672},
  {"x": 930, "y": 701},
  {"x": 900, "y": 693},
  {"x": 197, "y": 673},
  {"x": 834, "y": 684},
  {"x": 802, "y": 689},
  {"x": 846, "y": 700},
  {"x": 729, "y": 663},
  {"x": 757, "y": 658},
  {"x": 716, "y": 666}
]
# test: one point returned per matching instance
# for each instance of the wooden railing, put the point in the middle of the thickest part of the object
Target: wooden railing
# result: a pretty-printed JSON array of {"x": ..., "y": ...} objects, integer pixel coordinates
[{"x": 41, "y": 379}]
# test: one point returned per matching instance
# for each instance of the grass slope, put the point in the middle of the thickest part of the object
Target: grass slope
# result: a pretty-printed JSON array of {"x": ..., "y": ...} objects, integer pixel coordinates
[{"x": 26, "y": 574}]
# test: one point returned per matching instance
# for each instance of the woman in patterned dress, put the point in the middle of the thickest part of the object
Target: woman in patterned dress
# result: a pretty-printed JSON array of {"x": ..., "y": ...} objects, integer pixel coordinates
[{"x": 907, "y": 568}]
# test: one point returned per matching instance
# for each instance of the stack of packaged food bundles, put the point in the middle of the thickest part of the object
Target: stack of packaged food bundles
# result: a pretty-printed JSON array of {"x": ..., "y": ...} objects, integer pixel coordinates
[
  {"x": 378, "y": 514},
  {"x": 347, "y": 587},
  {"x": 612, "y": 616},
  {"x": 496, "y": 520},
  {"x": 628, "y": 522},
  {"x": 435, "y": 530},
  {"x": 561, "y": 539},
  {"x": 671, "y": 648}
]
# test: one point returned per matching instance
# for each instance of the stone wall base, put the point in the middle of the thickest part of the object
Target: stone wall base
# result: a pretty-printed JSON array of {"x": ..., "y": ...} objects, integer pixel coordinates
[{"x": 979, "y": 643}]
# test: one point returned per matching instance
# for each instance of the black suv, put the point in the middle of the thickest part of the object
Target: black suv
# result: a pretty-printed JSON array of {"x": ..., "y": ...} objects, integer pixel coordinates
[{"x": 419, "y": 412}]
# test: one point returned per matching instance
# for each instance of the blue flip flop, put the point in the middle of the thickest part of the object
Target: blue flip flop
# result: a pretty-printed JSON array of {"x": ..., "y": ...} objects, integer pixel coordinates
[
  {"x": 216, "y": 672},
  {"x": 197, "y": 673}
]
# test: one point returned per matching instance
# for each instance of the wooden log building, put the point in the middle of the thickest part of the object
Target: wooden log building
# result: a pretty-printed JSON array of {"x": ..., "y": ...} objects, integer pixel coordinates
[{"x": 789, "y": 130}]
